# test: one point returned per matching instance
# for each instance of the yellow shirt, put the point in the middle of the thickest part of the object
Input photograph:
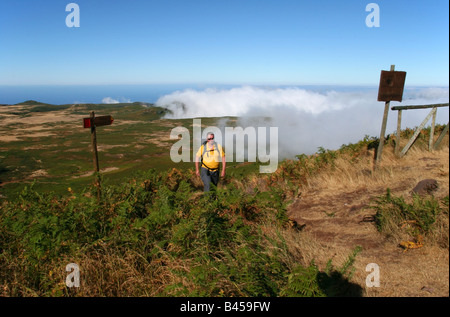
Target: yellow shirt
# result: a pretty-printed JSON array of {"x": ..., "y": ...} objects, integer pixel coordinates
[{"x": 212, "y": 156}]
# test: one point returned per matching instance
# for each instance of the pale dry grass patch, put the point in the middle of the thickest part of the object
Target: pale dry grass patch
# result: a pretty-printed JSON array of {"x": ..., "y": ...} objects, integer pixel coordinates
[
  {"x": 106, "y": 271},
  {"x": 423, "y": 273},
  {"x": 393, "y": 172}
]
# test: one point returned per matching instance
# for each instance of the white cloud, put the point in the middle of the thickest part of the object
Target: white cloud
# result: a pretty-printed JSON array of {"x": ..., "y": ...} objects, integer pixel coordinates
[
  {"x": 239, "y": 101},
  {"x": 109, "y": 100},
  {"x": 306, "y": 119}
]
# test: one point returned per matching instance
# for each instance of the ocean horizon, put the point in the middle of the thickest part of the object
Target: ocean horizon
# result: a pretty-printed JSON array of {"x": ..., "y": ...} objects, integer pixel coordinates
[
  {"x": 73, "y": 94},
  {"x": 150, "y": 93}
]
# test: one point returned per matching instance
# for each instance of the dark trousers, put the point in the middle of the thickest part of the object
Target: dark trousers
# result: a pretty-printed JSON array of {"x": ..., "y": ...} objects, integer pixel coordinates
[{"x": 209, "y": 177}]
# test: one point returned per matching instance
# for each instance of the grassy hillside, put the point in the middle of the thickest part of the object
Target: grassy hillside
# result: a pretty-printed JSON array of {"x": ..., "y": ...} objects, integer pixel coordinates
[
  {"x": 309, "y": 229},
  {"x": 48, "y": 146}
]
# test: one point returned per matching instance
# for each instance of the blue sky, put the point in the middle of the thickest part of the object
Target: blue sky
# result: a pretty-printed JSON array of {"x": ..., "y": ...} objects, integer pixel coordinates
[{"x": 222, "y": 42}]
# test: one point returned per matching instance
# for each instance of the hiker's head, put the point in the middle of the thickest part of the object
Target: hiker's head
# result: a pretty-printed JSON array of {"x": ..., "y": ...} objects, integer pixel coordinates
[{"x": 210, "y": 138}]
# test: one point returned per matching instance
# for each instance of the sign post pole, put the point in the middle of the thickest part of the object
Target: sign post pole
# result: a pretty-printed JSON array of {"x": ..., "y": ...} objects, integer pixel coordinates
[
  {"x": 383, "y": 126},
  {"x": 391, "y": 89},
  {"x": 93, "y": 122},
  {"x": 95, "y": 155}
]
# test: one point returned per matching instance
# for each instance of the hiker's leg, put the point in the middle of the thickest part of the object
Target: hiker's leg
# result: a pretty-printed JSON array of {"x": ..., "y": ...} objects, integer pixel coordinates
[
  {"x": 206, "y": 179},
  {"x": 215, "y": 177}
]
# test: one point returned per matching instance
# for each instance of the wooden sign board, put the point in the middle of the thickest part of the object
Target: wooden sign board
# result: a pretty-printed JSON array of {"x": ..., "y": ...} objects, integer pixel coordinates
[
  {"x": 98, "y": 121},
  {"x": 391, "y": 86}
]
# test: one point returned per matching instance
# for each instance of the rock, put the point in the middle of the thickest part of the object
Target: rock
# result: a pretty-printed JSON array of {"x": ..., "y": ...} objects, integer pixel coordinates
[
  {"x": 427, "y": 289},
  {"x": 425, "y": 187},
  {"x": 295, "y": 225}
]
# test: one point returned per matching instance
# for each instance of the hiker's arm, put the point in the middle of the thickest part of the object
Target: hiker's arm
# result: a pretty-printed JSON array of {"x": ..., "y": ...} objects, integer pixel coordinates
[
  {"x": 224, "y": 165},
  {"x": 197, "y": 171}
]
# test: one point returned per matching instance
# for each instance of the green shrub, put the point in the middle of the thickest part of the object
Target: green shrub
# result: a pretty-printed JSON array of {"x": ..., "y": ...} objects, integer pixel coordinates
[
  {"x": 416, "y": 218},
  {"x": 158, "y": 225}
]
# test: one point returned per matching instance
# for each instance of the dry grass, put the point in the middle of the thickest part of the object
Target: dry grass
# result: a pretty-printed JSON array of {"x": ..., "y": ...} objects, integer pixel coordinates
[{"x": 334, "y": 209}]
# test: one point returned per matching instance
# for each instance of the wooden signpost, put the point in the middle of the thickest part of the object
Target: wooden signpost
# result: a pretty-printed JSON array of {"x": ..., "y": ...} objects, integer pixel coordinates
[
  {"x": 93, "y": 122},
  {"x": 390, "y": 89}
]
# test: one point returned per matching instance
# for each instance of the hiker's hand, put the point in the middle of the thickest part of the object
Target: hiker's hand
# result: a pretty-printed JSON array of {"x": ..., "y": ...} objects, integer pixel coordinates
[
  {"x": 197, "y": 172},
  {"x": 222, "y": 174}
]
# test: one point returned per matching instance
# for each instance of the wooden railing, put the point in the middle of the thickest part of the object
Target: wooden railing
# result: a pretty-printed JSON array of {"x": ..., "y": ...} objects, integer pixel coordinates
[{"x": 431, "y": 146}]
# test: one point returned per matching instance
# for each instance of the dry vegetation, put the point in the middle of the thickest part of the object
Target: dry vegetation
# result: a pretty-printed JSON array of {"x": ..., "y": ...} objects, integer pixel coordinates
[
  {"x": 309, "y": 229},
  {"x": 335, "y": 210}
]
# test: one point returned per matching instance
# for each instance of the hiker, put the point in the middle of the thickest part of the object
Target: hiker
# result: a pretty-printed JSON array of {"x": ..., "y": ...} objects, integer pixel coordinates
[{"x": 209, "y": 155}]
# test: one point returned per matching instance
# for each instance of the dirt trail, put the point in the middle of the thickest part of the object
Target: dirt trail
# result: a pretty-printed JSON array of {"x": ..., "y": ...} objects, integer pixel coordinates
[{"x": 334, "y": 211}]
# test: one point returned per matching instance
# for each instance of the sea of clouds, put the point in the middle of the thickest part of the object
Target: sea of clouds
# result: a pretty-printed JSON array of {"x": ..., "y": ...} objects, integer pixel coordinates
[{"x": 306, "y": 118}]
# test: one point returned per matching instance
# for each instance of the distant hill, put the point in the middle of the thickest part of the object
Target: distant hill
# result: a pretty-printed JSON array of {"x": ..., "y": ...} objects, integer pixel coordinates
[
  {"x": 36, "y": 106},
  {"x": 37, "y": 103},
  {"x": 33, "y": 103}
]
